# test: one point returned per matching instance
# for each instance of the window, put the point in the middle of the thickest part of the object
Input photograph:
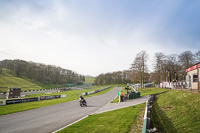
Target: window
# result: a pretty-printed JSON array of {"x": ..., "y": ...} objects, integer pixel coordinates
[{"x": 195, "y": 77}]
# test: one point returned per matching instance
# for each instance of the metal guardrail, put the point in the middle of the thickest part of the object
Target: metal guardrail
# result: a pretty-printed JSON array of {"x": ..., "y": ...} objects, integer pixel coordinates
[
  {"x": 92, "y": 92},
  {"x": 146, "y": 122},
  {"x": 45, "y": 89}
]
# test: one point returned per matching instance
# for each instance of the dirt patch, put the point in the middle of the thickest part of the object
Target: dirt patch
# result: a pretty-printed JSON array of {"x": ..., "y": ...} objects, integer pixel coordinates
[
  {"x": 138, "y": 124},
  {"x": 167, "y": 108}
]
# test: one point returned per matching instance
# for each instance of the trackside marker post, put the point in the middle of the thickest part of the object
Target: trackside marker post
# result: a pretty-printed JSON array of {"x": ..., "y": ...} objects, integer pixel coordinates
[{"x": 119, "y": 95}]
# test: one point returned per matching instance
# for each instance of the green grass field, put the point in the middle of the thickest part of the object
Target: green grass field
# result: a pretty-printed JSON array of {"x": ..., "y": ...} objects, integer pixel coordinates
[
  {"x": 8, "y": 80},
  {"x": 71, "y": 95},
  {"x": 89, "y": 80},
  {"x": 117, "y": 121},
  {"x": 177, "y": 112}
]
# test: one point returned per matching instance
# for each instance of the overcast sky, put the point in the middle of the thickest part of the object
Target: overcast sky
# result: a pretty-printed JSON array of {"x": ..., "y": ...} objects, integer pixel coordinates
[{"x": 92, "y": 37}]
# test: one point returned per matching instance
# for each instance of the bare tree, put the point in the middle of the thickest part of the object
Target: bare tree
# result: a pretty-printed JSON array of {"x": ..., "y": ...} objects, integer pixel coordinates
[
  {"x": 159, "y": 67},
  {"x": 197, "y": 56},
  {"x": 187, "y": 59},
  {"x": 173, "y": 67},
  {"x": 140, "y": 66}
]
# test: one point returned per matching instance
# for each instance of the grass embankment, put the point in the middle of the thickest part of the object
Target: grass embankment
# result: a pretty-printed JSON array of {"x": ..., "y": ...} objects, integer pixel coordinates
[
  {"x": 118, "y": 121},
  {"x": 89, "y": 79},
  {"x": 177, "y": 111},
  {"x": 8, "y": 80},
  {"x": 71, "y": 95},
  {"x": 143, "y": 92}
]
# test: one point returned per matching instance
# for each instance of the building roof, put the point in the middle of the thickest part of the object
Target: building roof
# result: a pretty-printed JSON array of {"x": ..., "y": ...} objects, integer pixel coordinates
[{"x": 193, "y": 67}]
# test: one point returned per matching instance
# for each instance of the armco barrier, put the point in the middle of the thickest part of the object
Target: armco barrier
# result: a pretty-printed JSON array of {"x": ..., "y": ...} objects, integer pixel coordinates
[
  {"x": 44, "y": 89},
  {"x": 146, "y": 122},
  {"x": 96, "y": 91}
]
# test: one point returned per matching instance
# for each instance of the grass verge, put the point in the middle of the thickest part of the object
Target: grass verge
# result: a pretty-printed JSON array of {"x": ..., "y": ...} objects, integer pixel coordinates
[
  {"x": 138, "y": 124},
  {"x": 117, "y": 121},
  {"x": 176, "y": 111}
]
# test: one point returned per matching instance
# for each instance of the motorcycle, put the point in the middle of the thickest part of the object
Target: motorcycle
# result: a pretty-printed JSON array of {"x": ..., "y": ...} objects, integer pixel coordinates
[{"x": 83, "y": 103}]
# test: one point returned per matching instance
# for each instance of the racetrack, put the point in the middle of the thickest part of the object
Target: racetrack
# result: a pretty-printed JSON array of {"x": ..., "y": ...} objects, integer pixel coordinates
[{"x": 51, "y": 118}]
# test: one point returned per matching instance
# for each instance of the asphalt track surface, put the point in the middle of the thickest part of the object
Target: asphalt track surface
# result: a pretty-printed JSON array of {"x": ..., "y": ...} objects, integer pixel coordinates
[{"x": 51, "y": 118}]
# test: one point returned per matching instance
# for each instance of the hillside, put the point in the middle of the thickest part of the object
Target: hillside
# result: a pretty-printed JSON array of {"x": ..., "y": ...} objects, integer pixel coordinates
[
  {"x": 8, "y": 80},
  {"x": 176, "y": 111},
  {"x": 89, "y": 79}
]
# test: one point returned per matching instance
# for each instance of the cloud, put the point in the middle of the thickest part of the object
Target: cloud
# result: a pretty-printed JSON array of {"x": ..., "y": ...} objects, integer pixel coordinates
[{"x": 93, "y": 37}]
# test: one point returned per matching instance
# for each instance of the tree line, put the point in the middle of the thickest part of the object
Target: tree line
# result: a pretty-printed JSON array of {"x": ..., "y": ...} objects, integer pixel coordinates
[
  {"x": 166, "y": 68},
  {"x": 172, "y": 67},
  {"x": 47, "y": 74},
  {"x": 119, "y": 77}
]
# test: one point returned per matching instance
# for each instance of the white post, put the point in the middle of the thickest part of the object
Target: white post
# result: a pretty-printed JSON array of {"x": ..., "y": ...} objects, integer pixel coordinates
[{"x": 4, "y": 102}]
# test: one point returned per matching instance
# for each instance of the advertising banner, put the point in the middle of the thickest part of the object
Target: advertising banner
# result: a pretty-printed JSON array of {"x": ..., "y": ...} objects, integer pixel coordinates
[
  {"x": 49, "y": 97},
  {"x": 24, "y": 100}
]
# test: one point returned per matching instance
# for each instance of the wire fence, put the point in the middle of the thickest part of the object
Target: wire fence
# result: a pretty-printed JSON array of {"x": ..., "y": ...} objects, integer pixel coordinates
[{"x": 190, "y": 84}]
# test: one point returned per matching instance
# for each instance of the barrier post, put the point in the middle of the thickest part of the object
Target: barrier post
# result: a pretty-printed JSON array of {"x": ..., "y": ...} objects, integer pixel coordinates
[{"x": 119, "y": 95}]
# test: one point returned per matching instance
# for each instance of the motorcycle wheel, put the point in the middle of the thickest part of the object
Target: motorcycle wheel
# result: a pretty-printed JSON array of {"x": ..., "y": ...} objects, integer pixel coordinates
[{"x": 81, "y": 104}]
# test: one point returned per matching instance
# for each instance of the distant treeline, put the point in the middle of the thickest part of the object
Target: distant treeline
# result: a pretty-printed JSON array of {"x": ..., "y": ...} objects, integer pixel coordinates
[
  {"x": 47, "y": 74},
  {"x": 120, "y": 77},
  {"x": 166, "y": 68}
]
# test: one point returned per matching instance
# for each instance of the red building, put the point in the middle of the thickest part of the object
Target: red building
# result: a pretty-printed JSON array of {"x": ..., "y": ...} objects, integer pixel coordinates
[{"x": 193, "y": 76}]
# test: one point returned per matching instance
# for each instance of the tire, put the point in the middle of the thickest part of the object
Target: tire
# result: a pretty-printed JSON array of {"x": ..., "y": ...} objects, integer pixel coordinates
[{"x": 81, "y": 104}]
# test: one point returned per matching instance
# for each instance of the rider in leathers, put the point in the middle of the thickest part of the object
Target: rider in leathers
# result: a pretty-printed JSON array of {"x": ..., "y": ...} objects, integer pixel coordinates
[{"x": 82, "y": 98}]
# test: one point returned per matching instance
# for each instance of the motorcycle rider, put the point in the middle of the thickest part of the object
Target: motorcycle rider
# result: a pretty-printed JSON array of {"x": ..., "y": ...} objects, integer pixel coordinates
[{"x": 82, "y": 99}]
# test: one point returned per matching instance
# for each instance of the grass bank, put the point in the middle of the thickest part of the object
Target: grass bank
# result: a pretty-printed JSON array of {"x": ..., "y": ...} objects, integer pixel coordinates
[
  {"x": 176, "y": 111},
  {"x": 71, "y": 95},
  {"x": 8, "y": 80},
  {"x": 117, "y": 121},
  {"x": 89, "y": 79}
]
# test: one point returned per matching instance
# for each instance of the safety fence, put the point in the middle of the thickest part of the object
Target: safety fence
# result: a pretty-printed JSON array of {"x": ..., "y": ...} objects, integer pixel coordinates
[
  {"x": 46, "y": 89},
  {"x": 25, "y": 100},
  {"x": 146, "y": 123},
  {"x": 3, "y": 94},
  {"x": 187, "y": 85},
  {"x": 95, "y": 91}
]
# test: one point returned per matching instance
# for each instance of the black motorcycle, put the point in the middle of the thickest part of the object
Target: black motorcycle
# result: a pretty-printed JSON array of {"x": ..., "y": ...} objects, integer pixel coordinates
[{"x": 83, "y": 103}]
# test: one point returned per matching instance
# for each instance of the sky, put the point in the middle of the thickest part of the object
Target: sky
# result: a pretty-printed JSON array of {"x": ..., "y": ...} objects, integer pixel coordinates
[{"x": 92, "y": 37}]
